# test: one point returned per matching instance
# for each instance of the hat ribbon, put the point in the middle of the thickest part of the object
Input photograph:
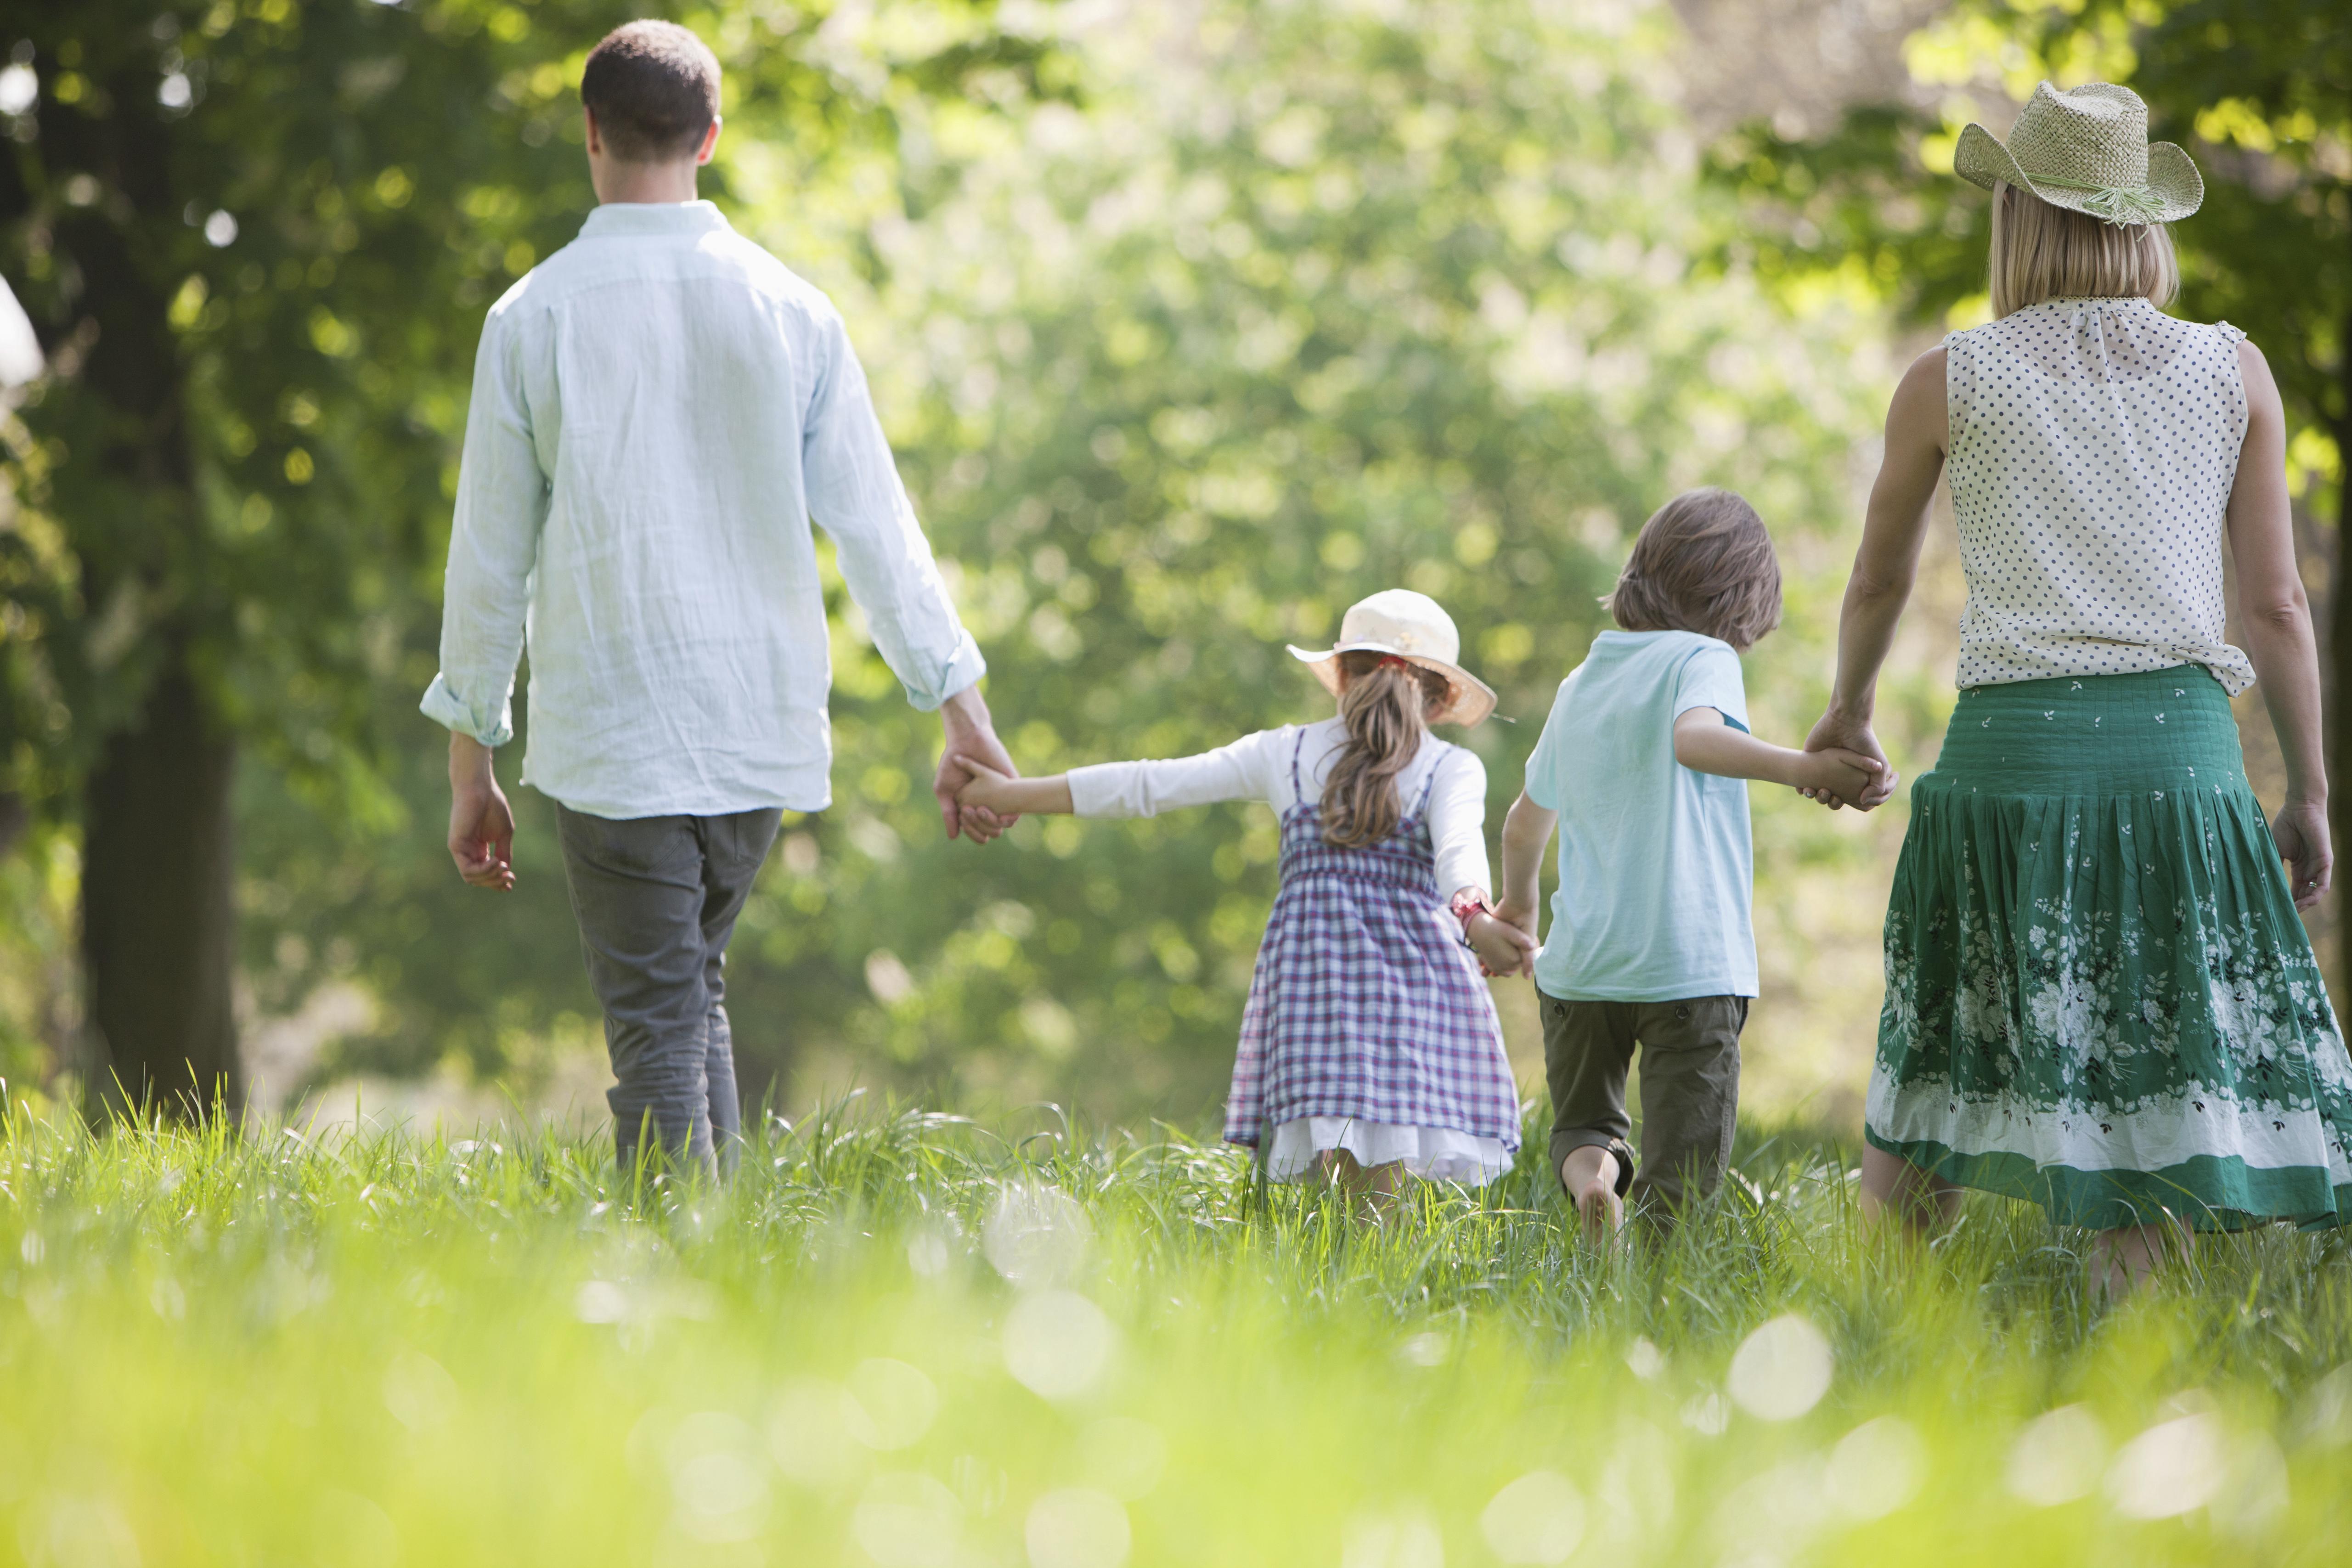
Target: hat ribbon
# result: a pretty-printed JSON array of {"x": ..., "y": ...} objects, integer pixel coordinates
[{"x": 2114, "y": 203}]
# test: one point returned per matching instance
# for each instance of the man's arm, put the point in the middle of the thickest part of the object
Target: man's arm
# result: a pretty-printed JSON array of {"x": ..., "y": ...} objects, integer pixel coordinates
[
  {"x": 856, "y": 496},
  {"x": 493, "y": 545}
]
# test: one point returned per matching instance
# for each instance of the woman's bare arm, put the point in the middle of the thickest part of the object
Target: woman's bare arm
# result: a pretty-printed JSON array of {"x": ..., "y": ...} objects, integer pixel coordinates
[
  {"x": 2274, "y": 617},
  {"x": 1887, "y": 563}
]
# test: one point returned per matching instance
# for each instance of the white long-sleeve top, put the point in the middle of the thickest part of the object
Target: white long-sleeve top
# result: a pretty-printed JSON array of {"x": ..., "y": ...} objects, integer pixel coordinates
[
  {"x": 659, "y": 409},
  {"x": 1257, "y": 767}
]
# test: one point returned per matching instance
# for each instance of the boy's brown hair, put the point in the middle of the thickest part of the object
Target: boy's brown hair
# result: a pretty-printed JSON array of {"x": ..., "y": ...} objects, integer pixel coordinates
[
  {"x": 1702, "y": 564},
  {"x": 654, "y": 90}
]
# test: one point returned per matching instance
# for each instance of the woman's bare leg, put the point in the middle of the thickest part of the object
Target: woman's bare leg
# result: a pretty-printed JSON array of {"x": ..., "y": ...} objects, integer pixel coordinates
[
  {"x": 2124, "y": 1260},
  {"x": 1894, "y": 1191}
]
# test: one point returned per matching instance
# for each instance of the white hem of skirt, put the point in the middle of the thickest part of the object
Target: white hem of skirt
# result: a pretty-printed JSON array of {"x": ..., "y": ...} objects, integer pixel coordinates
[{"x": 1439, "y": 1153}]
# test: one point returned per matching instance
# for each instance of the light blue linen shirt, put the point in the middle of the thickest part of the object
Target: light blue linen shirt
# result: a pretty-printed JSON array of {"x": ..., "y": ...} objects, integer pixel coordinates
[
  {"x": 659, "y": 409},
  {"x": 1655, "y": 865}
]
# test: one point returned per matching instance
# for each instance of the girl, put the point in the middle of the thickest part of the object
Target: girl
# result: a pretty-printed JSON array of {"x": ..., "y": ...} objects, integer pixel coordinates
[{"x": 1369, "y": 1044}]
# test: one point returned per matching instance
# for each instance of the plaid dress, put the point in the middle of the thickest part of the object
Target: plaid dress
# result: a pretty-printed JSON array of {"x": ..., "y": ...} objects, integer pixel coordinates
[{"x": 1365, "y": 1004}]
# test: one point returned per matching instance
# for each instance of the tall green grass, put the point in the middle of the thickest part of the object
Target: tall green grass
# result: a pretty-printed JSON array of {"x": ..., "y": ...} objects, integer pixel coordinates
[{"x": 898, "y": 1338}]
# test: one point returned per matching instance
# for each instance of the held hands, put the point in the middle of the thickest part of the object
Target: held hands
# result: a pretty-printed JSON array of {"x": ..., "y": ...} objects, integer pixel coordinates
[
  {"x": 1505, "y": 940},
  {"x": 985, "y": 790},
  {"x": 1838, "y": 778},
  {"x": 969, "y": 737},
  {"x": 1851, "y": 770}
]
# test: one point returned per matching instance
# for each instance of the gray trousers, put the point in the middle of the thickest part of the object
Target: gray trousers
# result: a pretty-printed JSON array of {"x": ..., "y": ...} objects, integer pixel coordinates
[{"x": 656, "y": 898}]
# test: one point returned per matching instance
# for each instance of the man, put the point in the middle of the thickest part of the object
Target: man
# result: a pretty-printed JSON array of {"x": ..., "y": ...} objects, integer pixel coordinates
[{"x": 657, "y": 412}]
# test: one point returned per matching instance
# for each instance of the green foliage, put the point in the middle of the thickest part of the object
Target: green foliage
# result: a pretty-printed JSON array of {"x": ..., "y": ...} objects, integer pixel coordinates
[
  {"x": 258, "y": 237},
  {"x": 1188, "y": 336},
  {"x": 2259, "y": 90},
  {"x": 1308, "y": 301},
  {"x": 904, "y": 1340}
]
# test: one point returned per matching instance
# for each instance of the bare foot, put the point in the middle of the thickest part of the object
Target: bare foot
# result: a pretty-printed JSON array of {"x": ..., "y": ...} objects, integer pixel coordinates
[{"x": 1590, "y": 1175}]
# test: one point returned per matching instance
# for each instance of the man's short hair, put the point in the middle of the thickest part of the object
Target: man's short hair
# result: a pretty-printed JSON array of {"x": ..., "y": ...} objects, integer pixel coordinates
[
  {"x": 654, "y": 90},
  {"x": 1702, "y": 564}
]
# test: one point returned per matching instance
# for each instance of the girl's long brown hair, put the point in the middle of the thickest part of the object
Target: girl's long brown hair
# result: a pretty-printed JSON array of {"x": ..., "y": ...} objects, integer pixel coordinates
[{"x": 1385, "y": 704}]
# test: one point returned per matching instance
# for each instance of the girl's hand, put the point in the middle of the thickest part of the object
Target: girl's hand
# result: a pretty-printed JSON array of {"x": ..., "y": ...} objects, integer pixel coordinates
[
  {"x": 1502, "y": 947},
  {"x": 988, "y": 788},
  {"x": 2300, "y": 831}
]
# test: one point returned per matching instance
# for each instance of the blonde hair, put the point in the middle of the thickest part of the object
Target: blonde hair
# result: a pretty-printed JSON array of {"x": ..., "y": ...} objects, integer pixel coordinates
[
  {"x": 1385, "y": 703},
  {"x": 1702, "y": 564},
  {"x": 2044, "y": 252}
]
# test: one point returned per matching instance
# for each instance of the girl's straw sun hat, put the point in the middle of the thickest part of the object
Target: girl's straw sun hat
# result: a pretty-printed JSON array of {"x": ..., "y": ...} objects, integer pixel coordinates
[
  {"x": 1410, "y": 627},
  {"x": 2086, "y": 150}
]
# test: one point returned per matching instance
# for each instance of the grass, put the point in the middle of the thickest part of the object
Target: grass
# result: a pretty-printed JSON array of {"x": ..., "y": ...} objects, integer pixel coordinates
[{"x": 902, "y": 1339}]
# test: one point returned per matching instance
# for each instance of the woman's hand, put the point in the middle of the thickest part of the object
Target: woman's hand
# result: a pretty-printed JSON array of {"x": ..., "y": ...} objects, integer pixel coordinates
[
  {"x": 1838, "y": 732},
  {"x": 2300, "y": 831}
]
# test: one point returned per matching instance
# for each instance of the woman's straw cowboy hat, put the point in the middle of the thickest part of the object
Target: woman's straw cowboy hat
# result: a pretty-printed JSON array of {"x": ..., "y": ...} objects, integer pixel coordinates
[
  {"x": 2086, "y": 150},
  {"x": 1412, "y": 628}
]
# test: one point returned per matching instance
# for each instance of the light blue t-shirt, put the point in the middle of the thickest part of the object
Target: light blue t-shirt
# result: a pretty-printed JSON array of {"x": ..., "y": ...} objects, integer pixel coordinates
[{"x": 1656, "y": 863}]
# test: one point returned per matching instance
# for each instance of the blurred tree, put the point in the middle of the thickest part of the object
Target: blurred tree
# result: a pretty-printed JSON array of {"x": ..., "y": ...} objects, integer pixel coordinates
[
  {"x": 2260, "y": 91},
  {"x": 1190, "y": 329},
  {"x": 1312, "y": 301},
  {"x": 258, "y": 237}
]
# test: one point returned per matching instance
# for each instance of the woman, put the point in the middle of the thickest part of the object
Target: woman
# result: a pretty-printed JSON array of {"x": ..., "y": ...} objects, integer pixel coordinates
[{"x": 2098, "y": 994}]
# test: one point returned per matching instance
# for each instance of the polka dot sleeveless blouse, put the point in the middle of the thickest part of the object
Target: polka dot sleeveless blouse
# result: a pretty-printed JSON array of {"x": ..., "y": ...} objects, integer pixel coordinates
[{"x": 2094, "y": 443}]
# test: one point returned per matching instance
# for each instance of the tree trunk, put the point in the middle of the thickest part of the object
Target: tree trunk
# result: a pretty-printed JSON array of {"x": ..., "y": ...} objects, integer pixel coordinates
[
  {"x": 158, "y": 907},
  {"x": 2336, "y": 659}
]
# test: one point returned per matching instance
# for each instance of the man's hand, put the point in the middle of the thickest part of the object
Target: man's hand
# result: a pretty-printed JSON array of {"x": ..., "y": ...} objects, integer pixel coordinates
[
  {"x": 481, "y": 827},
  {"x": 1838, "y": 732},
  {"x": 969, "y": 732}
]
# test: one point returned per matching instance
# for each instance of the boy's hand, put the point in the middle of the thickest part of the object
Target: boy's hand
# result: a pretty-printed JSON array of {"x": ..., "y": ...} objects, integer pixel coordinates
[
  {"x": 1522, "y": 917},
  {"x": 1834, "y": 733},
  {"x": 1504, "y": 948},
  {"x": 1837, "y": 777}
]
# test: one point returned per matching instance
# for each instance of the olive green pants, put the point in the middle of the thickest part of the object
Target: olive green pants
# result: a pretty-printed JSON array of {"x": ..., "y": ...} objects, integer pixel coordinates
[{"x": 1690, "y": 1088}]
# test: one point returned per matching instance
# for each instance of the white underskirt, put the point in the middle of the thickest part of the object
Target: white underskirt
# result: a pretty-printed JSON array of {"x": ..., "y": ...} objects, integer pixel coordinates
[{"x": 1439, "y": 1153}]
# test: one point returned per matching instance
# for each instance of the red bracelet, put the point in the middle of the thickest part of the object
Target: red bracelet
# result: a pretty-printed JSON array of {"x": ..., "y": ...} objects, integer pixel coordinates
[{"x": 1467, "y": 906}]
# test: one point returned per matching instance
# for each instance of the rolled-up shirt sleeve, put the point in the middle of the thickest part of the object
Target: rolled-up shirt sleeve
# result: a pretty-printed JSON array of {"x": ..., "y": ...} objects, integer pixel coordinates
[
  {"x": 1457, "y": 823},
  {"x": 856, "y": 496},
  {"x": 502, "y": 499},
  {"x": 1237, "y": 772}
]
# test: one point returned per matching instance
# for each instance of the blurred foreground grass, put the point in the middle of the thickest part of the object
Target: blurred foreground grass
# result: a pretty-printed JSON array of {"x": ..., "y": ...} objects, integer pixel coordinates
[{"x": 900, "y": 1340}]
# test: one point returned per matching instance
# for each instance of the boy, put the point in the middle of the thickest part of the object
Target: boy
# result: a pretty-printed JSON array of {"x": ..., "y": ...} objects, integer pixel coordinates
[{"x": 1640, "y": 766}]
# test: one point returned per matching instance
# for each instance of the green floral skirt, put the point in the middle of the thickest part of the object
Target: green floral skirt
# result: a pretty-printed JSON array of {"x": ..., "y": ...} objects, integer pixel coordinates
[{"x": 2098, "y": 993}]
